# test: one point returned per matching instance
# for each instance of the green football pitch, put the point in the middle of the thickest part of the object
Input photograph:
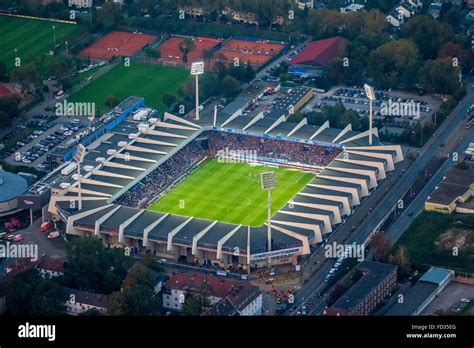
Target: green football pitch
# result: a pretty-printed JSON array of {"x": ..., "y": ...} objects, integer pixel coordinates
[
  {"x": 230, "y": 193},
  {"x": 142, "y": 80},
  {"x": 31, "y": 37}
]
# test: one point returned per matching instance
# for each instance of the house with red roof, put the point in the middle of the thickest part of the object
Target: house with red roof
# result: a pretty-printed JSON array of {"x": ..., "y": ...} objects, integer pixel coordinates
[
  {"x": 312, "y": 60},
  {"x": 50, "y": 267},
  {"x": 226, "y": 296},
  {"x": 8, "y": 89}
]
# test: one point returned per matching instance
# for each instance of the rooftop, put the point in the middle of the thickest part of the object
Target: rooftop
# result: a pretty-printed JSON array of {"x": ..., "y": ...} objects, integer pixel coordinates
[
  {"x": 374, "y": 274},
  {"x": 11, "y": 186}
]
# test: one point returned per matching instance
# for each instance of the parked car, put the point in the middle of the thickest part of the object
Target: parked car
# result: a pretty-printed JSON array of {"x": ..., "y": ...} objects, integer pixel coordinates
[
  {"x": 53, "y": 235},
  {"x": 45, "y": 226},
  {"x": 18, "y": 238}
]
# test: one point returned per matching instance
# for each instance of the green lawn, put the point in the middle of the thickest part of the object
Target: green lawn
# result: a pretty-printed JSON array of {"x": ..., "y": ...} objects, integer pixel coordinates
[
  {"x": 422, "y": 240},
  {"x": 148, "y": 81},
  {"x": 31, "y": 37},
  {"x": 230, "y": 193}
]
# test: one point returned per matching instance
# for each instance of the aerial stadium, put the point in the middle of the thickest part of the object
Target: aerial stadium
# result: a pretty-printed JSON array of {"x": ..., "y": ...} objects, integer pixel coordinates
[{"x": 190, "y": 191}]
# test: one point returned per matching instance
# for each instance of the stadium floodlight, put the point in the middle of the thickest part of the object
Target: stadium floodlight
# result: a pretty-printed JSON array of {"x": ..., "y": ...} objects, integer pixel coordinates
[
  {"x": 268, "y": 181},
  {"x": 79, "y": 158},
  {"x": 369, "y": 92},
  {"x": 197, "y": 68}
]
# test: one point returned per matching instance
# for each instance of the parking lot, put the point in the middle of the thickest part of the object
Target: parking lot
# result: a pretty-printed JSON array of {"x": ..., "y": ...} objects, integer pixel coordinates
[
  {"x": 384, "y": 106},
  {"x": 33, "y": 150},
  {"x": 453, "y": 298}
]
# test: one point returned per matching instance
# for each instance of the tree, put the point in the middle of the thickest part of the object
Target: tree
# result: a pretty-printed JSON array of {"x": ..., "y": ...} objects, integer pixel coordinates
[
  {"x": 8, "y": 110},
  {"x": 48, "y": 298},
  {"x": 30, "y": 294},
  {"x": 110, "y": 14},
  {"x": 428, "y": 34},
  {"x": 191, "y": 306},
  {"x": 230, "y": 85},
  {"x": 139, "y": 275},
  {"x": 137, "y": 296},
  {"x": 186, "y": 46},
  {"x": 196, "y": 301},
  {"x": 27, "y": 76},
  {"x": 111, "y": 101},
  {"x": 169, "y": 99},
  {"x": 380, "y": 245},
  {"x": 439, "y": 76},
  {"x": 92, "y": 267},
  {"x": 152, "y": 52},
  {"x": 394, "y": 63},
  {"x": 3, "y": 72},
  {"x": 207, "y": 54},
  {"x": 402, "y": 260},
  {"x": 455, "y": 51},
  {"x": 61, "y": 67}
]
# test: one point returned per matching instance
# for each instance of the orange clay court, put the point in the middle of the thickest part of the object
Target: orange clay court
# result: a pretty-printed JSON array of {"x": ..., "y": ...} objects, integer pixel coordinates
[
  {"x": 117, "y": 44},
  {"x": 255, "y": 52},
  {"x": 170, "y": 51}
]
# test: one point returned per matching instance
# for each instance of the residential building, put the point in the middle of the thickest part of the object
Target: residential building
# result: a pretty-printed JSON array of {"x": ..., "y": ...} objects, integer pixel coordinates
[
  {"x": 50, "y": 267},
  {"x": 352, "y": 8},
  {"x": 377, "y": 282},
  {"x": 406, "y": 9},
  {"x": 435, "y": 9},
  {"x": 226, "y": 296},
  {"x": 395, "y": 18},
  {"x": 78, "y": 302},
  {"x": 80, "y": 3},
  {"x": 304, "y": 3}
]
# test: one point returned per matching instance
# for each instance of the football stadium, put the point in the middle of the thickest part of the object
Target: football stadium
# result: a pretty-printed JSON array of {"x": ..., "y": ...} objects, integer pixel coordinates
[{"x": 189, "y": 191}]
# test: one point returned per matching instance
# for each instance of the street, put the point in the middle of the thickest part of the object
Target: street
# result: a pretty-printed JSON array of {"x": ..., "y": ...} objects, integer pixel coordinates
[{"x": 447, "y": 133}]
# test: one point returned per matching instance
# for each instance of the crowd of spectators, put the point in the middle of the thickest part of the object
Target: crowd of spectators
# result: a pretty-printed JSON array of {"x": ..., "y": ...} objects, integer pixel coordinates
[
  {"x": 290, "y": 151},
  {"x": 163, "y": 176}
]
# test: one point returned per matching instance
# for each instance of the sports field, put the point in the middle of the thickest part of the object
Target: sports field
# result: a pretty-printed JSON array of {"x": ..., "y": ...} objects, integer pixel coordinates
[
  {"x": 230, "y": 193},
  {"x": 142, "y": 80},
  {"x": 31, "y": 37},
  {"x": 117, "y": 44}
]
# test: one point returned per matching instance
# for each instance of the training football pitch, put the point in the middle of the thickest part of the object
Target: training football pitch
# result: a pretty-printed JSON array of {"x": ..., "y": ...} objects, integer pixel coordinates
[
  {"x": 230, "y": 193},
  {"x": 141, "y": 80},
  {"x": 31, "y": 37}
]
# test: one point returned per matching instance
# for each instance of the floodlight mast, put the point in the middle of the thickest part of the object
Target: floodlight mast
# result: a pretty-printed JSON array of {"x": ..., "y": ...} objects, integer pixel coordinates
[
  {"x": 268, "y": 181},
  {"x": 369, "y": 92},
  {"x": 197, "y": 68}
]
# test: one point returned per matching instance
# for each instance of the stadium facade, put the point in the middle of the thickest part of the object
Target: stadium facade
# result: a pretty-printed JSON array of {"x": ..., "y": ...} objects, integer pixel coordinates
[{"x": 127, "y": 154}]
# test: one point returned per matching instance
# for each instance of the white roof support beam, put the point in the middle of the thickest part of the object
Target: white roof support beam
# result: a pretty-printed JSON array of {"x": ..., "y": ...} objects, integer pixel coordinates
[
  {"x": 199, "y": 236},
  {"x": 224, "y": 239},
  {"x": 169, "y": 245},
  {"x": 320, "y": 129}
]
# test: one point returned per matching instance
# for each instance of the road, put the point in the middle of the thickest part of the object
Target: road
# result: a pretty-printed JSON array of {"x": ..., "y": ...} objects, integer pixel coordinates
[{"x": 449, "y": 130}]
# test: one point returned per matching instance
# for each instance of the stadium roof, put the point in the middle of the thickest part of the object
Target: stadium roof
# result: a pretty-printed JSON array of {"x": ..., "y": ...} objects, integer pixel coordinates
[
  {"x": 321, "y": 52},
  {"x": 11, "y": 186}
]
